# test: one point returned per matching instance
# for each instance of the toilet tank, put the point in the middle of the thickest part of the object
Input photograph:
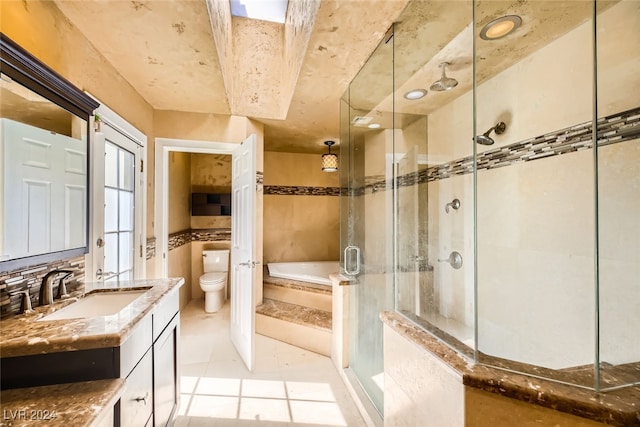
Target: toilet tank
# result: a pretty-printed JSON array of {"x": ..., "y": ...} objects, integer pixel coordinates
[{"x": 215, "y": 260}]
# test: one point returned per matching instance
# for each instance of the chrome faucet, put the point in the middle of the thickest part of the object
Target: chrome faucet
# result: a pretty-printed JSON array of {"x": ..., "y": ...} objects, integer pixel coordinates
[
  {"x": 25, "y": 304},
  {"x": 45, "y": 296}
]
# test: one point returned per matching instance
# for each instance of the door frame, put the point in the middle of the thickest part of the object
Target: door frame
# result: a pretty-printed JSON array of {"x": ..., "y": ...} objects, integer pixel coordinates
[{"x": 163, "y": 146}]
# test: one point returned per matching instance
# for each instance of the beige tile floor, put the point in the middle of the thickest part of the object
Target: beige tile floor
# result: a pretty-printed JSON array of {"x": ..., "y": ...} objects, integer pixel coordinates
[{"x": 289, "y": 386}]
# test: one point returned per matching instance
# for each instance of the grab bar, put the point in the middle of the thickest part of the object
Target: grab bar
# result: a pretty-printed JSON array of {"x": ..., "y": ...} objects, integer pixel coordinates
[{"x": 356, "y": 270}]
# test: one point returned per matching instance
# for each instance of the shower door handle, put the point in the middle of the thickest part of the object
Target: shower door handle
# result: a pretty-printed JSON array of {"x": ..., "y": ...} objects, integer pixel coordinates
[{"x": 347, "y": 269}]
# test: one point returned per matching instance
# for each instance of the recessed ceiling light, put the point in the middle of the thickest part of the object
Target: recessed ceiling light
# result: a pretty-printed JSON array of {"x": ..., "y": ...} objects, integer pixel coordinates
[
  {"x": 415, "y": 94},
  {"x": 374, "y": 126},
  {"x": 500, "y": 27}
]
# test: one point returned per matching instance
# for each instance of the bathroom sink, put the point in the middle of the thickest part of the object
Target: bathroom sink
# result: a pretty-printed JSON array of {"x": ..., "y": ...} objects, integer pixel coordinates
[{"x": 98, "y": 304}]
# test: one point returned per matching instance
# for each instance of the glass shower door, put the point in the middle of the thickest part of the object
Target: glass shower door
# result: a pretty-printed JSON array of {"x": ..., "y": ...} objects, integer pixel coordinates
[{"x": 368, "y": 227}]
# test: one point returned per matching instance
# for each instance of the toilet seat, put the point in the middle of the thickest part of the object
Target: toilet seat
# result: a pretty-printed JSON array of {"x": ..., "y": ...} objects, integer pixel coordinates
[{"x": 213, "y": 279}]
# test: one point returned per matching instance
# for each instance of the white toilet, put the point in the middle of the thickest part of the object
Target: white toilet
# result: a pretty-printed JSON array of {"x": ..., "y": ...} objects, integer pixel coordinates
[{"x": 214, "y": 280}]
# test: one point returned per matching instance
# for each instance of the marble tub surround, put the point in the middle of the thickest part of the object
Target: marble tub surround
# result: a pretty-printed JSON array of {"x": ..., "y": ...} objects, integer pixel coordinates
[
  {"x": 294, "y": 284},
  {"x": 24, "y": 335},
  {"x": 619, "y": 408},
  {"x": 87, "y": 403},
  {"x": 295, "y": 314}
]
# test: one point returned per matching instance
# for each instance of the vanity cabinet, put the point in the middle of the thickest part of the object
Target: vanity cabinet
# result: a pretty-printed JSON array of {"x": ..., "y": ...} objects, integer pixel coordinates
[
  {"x": 136, "y": 400},
  {"x": 165, "y": 374},
  {"x": 147, "y": 360},
  {"x": 150, "y": 354}
]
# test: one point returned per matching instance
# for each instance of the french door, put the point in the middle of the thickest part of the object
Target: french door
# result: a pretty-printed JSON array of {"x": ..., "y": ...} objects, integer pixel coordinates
[{"x": 118, "y": 244}]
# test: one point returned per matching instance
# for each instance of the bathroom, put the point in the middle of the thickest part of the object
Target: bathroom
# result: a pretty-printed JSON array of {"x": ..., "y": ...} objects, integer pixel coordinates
[{"x": 503, "y": 222}]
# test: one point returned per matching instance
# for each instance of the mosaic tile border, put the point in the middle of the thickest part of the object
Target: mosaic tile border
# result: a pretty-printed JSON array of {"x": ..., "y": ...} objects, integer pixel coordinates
[
  {"x": 202, "y": 235},
  {"x": 151, "y": 248},
  {"x": 620, "y": 127},
  {"x": 284, "y": 190},
  {"x": 14, "y": 282},
  {"x": 211, "y": 235},
  {"x": 178, "y": 239},
  {"x": 259, "y": 178}
]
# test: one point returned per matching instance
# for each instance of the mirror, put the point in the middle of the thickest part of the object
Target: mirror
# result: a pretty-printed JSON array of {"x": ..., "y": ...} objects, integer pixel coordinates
[{"x": 44, "y": 171}]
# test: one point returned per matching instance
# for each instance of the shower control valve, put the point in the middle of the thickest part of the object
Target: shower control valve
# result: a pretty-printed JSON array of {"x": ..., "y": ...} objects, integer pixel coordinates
[
  {"x": 455, "y": 204},
  {"x": 454, "y": 260}
]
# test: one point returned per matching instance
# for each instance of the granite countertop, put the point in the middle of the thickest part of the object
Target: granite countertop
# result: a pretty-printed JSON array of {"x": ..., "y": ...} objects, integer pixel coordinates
[
  {"x": 74, "y": 404},
  {"x": 25, "y": 334},
  {"x": 617, "y": 407}
]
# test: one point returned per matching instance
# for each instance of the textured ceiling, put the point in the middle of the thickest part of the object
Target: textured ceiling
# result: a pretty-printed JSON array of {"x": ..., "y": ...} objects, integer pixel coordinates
[
  {"x": 168, "y": 52},
  {"x": 291, "y": 77}
]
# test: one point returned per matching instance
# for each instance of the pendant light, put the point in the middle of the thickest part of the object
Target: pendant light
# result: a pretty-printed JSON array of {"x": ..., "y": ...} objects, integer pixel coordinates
[{"x": 329, "y": 160}]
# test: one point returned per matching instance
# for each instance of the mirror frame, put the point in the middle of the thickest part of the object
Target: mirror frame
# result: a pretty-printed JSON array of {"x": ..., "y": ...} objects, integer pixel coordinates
[{"x": 24, "y": 68}]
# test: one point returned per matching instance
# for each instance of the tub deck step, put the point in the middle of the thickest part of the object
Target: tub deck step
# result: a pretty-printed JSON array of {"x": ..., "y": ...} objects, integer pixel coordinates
[
  {"x": 299, "y": 293},
  {"x": 305, "y": 327}
]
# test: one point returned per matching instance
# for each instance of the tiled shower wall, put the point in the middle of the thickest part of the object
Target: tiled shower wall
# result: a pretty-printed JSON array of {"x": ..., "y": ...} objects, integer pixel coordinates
[
  {"x": 536, "y": 202},
  {"x": 14, "y": 282}
]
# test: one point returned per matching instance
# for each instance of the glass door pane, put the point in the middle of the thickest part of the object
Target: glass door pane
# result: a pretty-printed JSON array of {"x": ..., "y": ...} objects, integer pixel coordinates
[
  {"x": 433, "y": 153},
  {"x": 118, "y": 213},
  {"x": 618, "y": 62},
  {"x": 535, "y": 189},
  {"x": 370, "y": 210}
]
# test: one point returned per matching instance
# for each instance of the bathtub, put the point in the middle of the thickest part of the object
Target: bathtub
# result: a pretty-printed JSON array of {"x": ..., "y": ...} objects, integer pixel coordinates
[{"x": 313, "y": 271}]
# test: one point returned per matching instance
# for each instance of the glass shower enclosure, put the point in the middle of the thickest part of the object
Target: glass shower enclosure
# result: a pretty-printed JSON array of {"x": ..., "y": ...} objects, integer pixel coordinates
[{"x": 491, "y": 188}]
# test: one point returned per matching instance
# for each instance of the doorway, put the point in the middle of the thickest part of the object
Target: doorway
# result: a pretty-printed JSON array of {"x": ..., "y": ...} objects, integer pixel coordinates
[{"x": 248, "y": 269}]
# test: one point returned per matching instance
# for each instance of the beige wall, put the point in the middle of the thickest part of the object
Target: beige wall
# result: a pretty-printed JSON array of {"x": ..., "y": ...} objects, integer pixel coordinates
[
  {"x": 180, "y": 266},
  {"x": 300, "y": 228},
  {"x": 210, "y": 173},
  {"x": 179, "y": 191},
  {"x": 180, "y": 219}
]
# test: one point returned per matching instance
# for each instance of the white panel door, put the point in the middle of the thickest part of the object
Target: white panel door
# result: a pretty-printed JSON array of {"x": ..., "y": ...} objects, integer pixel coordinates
[{"x": 243, "y": 262}]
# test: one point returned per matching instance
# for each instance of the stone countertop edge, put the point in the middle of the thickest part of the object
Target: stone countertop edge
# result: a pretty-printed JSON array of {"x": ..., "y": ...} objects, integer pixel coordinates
[
  {"x": 340, "y": 278},
  {"x": 23, "y": 335},
  {"x": 618, "y": 408},
  {"x": 72, "y": 404}
]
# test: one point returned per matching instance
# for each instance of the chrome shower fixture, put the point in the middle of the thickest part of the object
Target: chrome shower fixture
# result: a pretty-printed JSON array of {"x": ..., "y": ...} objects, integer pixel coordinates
[
  {"x": 485, "y": 139},
  {"x": 445, "y": 83},
  {"x": 455, "y": 204}
]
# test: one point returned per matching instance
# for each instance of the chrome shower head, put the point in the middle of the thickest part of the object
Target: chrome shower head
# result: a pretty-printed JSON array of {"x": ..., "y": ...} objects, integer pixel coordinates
[
  {"x": 445, "y": 83},
  {"x": 485, "y": 139}
]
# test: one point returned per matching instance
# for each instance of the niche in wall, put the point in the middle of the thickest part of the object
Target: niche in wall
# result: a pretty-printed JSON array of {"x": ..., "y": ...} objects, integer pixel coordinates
[{"x": 210, "y": 204}]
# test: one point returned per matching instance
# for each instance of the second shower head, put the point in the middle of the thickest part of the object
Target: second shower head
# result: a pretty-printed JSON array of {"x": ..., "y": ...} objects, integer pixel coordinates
[
  {"x": 485, "y": 139},
  {"x": 445, "y": 83}
]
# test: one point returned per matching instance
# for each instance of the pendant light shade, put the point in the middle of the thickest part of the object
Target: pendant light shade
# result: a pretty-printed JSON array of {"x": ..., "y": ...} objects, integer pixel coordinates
[{"x": 329, "y": 160}]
